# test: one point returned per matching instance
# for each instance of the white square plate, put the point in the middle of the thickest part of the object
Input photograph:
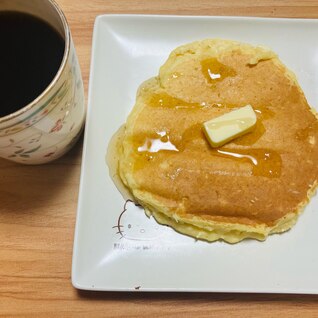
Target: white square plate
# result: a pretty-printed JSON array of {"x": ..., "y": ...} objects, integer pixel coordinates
[{"x": 128, "y": 49}]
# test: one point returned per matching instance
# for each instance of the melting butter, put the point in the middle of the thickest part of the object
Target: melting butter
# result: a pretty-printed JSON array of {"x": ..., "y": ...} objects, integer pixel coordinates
[{"x": 229, "y": 126}]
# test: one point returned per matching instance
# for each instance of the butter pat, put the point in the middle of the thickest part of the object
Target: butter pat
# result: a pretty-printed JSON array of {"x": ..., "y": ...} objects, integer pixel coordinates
[{"x": 227, "y": 127}]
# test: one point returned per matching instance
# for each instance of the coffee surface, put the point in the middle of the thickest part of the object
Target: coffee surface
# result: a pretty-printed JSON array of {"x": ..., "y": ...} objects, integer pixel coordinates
[{"x": 30, "y": 56}]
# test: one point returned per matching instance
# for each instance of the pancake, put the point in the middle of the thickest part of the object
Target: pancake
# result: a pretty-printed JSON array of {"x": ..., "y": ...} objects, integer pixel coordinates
[{"x": 251, "y": 187}]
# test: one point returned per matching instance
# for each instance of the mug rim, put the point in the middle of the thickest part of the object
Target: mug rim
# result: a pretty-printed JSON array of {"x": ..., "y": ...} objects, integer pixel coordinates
[{"x": 60, "y": 70}]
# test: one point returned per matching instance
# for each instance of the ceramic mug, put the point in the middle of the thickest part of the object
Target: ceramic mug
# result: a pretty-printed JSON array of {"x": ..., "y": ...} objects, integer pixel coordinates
[{"x": 49, "y": 126}]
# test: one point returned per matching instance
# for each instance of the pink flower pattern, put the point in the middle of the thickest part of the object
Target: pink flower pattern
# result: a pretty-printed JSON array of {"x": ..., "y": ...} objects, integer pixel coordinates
[{"x": 58, "y": 126}]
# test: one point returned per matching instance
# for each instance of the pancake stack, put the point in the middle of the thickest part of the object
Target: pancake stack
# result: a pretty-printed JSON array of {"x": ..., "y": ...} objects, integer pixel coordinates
[{"x": 251, "y": 187}]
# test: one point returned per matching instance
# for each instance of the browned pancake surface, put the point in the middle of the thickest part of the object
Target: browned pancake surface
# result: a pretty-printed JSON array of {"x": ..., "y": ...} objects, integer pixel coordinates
[{"x": 256, "y": 179}]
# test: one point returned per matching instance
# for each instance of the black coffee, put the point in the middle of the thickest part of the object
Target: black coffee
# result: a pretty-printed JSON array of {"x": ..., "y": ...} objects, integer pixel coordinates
[{"x": 31, "y": 53}]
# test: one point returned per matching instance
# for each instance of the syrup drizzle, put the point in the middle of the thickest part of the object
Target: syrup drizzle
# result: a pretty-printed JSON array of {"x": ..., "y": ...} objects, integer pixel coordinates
[
  {"x": 265, "y": 162},
  {"x": 162, "y": 142},
  {"x": 215, "y": 71},
  {"x": 164, "y": 100},
  {"x": 308, "y": 133},
  {"x": 251, "y": 138}
]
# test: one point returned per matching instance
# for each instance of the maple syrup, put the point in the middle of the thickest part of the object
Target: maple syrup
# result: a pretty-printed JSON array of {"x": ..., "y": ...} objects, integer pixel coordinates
[
  {"x": 192, "y": 135},
  {"x": 147, "y": 147},
  {"x": 215, "y": 71},
  {"x": 164, "y": 100},
  {"x": 251, "y": 138},
  {"x": 159, "y": 143},
  {"x": 265, "y": 162},
  {"x": 308, "y": 132}
]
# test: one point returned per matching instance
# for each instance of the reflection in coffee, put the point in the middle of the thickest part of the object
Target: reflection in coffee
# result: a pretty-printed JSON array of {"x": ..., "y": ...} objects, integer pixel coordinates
[{"x": 30, "y": 56}]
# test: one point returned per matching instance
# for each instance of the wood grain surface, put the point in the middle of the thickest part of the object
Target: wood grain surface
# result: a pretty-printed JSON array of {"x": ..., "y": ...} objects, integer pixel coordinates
[{"x": 38, "y": 206}]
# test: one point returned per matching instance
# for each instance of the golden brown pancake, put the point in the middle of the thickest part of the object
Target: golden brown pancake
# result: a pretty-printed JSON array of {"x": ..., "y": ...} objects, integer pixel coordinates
[{"x": 249, "y": 188}]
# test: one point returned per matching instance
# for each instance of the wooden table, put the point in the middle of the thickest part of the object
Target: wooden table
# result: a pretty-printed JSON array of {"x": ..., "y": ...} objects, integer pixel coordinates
[{"x": 38, "y": 206}]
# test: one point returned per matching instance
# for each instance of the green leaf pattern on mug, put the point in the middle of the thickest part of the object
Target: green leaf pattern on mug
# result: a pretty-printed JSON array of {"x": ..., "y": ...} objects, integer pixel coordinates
[{"x": 24, "y": 153}]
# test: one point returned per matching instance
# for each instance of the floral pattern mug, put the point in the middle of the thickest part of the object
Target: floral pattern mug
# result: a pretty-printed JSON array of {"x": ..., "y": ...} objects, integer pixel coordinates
[{"x": 50, "y": 125}]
